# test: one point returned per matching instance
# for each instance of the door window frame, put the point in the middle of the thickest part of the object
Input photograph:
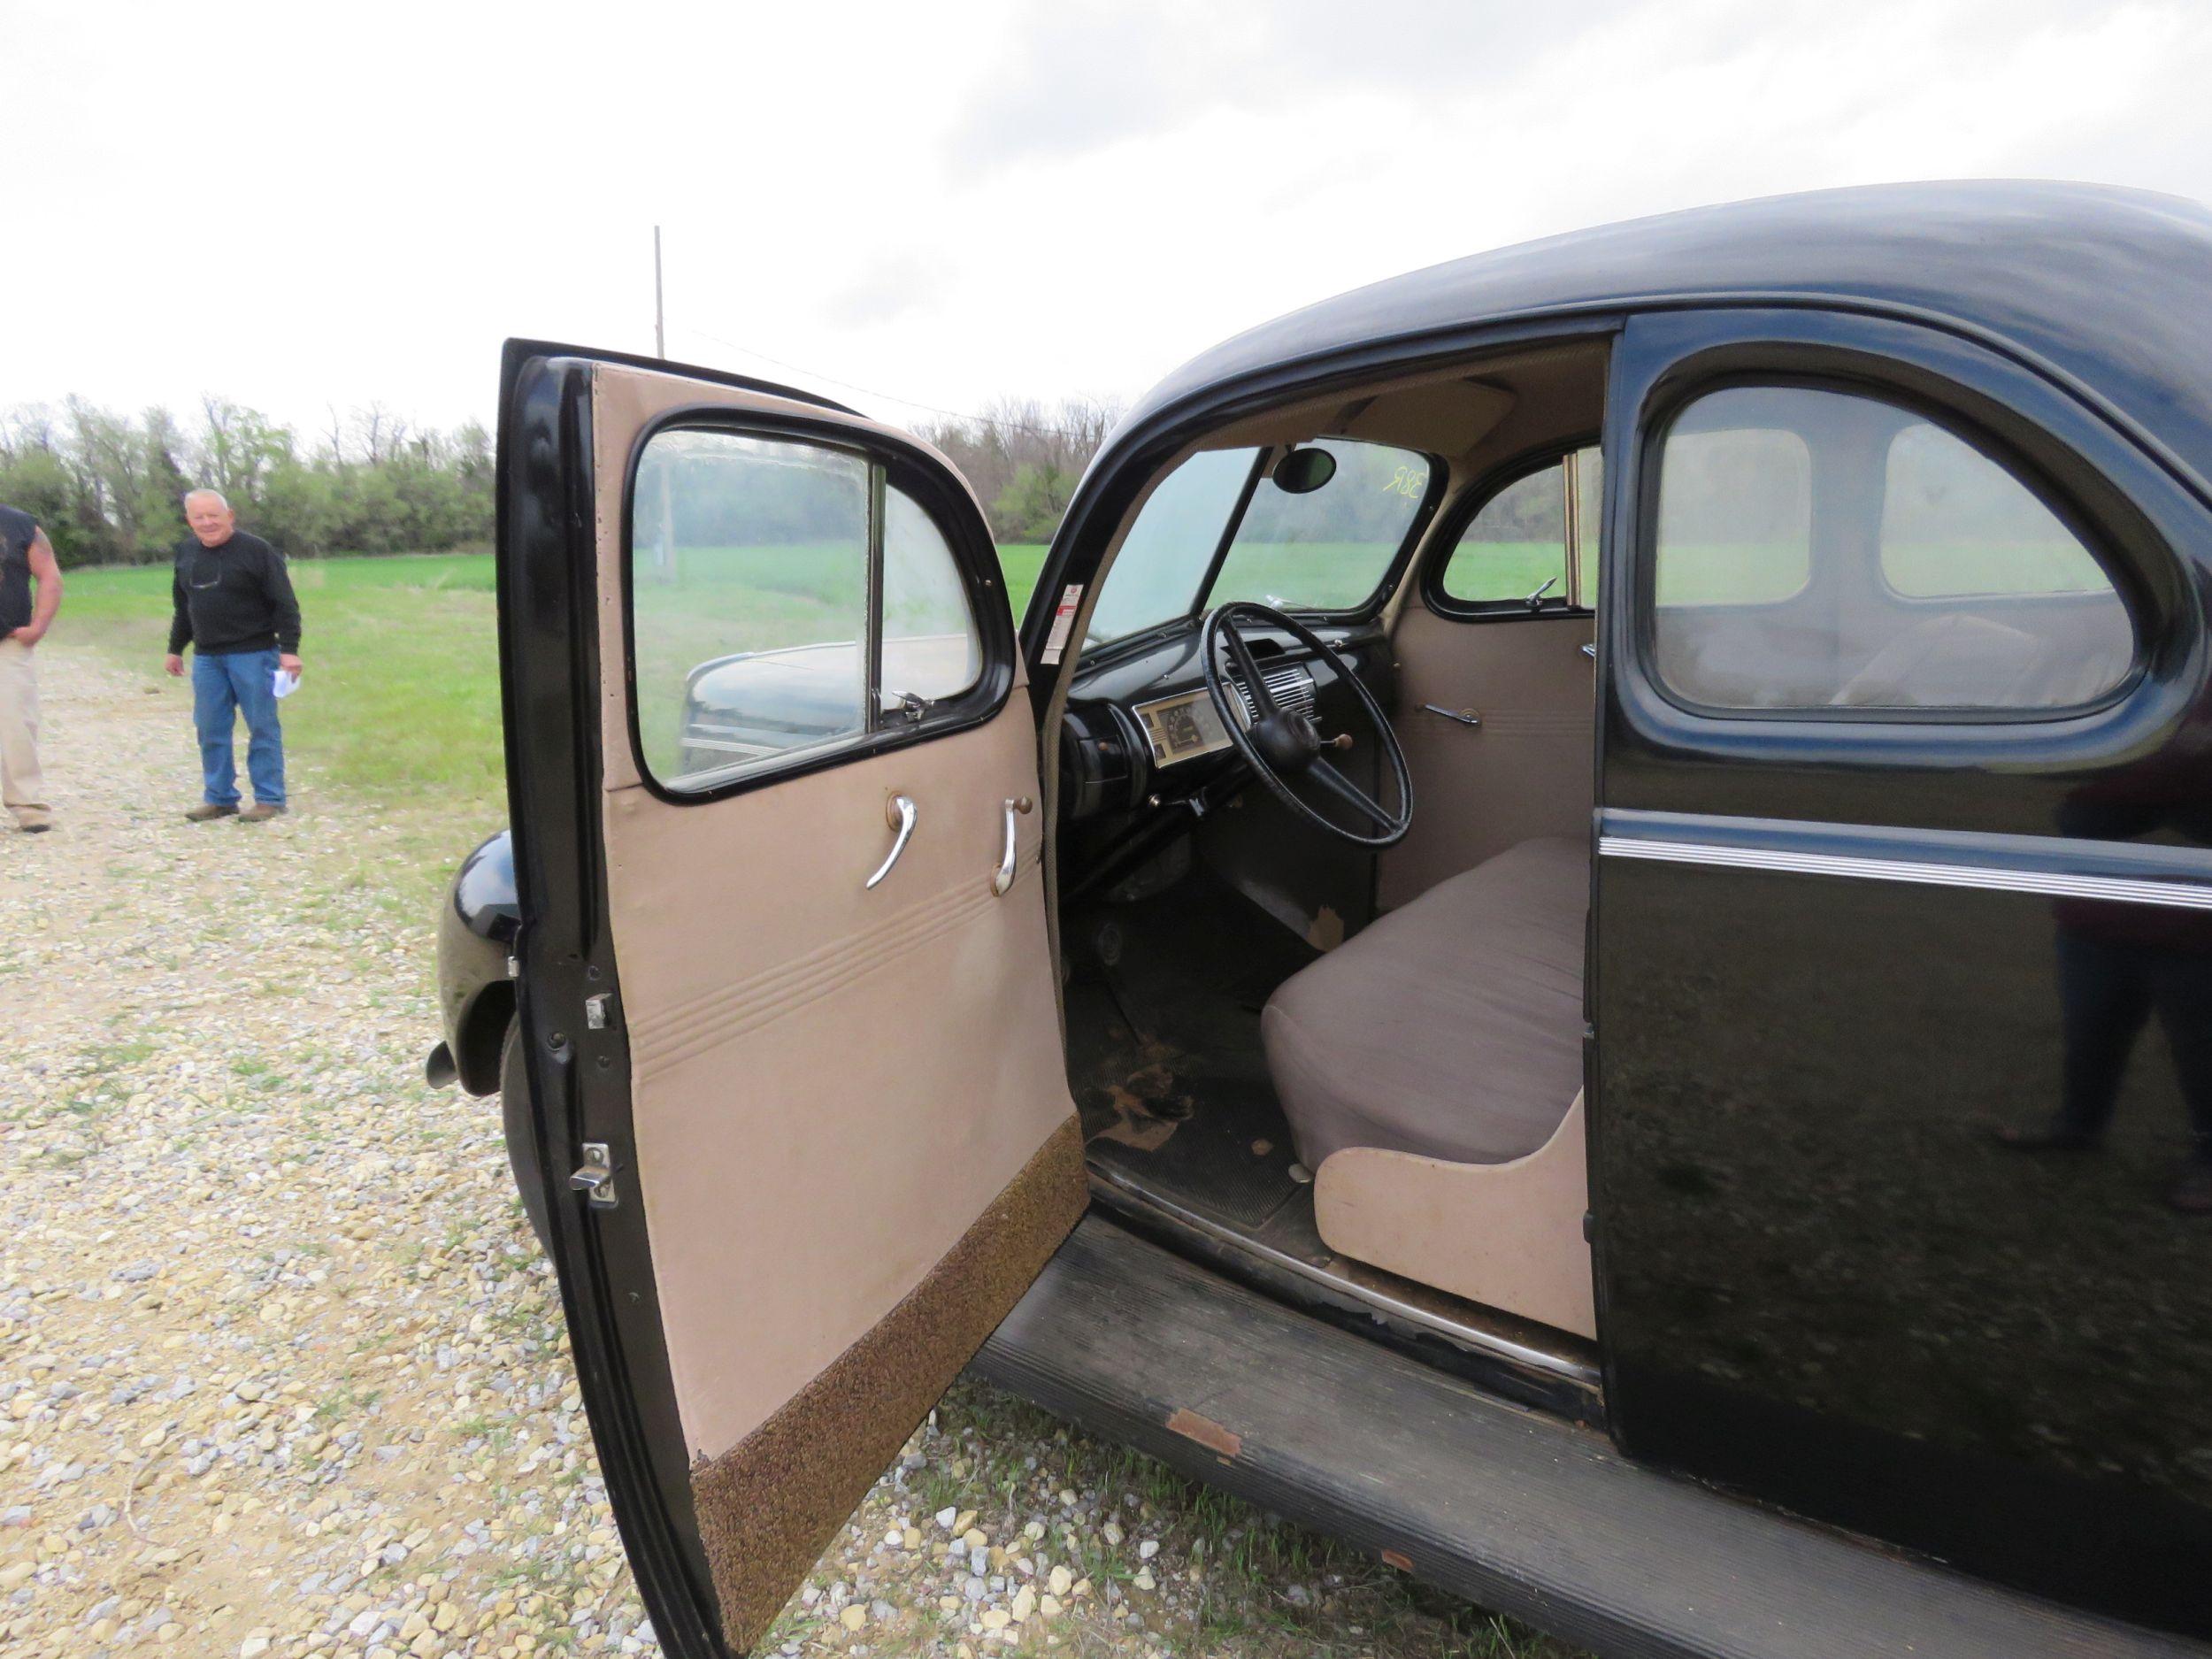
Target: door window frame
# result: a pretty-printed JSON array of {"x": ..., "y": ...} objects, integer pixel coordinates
[
  {"x": 2042, "y": 437},
  {"x": 892, "y": 464},
  {"x": 1659, "y": 427},
  {"x": 1455, "y": 521}
]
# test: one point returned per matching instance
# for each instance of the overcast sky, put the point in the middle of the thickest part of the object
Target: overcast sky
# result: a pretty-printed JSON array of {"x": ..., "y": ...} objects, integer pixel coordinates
[{"x": 297, "y": 205}]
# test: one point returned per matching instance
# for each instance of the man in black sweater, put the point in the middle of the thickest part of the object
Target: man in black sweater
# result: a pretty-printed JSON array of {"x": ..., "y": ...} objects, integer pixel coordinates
[{"x": 233, "y": 606}]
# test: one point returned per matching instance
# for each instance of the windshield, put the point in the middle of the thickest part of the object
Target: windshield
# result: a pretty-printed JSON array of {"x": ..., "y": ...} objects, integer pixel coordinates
[
  {"x": 1164, "y": 556},
  {"x": 1327, "y": 549}
]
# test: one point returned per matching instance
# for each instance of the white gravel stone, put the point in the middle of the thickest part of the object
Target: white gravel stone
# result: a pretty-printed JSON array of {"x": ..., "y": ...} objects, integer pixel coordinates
[{"x": 289, "y": 1378}]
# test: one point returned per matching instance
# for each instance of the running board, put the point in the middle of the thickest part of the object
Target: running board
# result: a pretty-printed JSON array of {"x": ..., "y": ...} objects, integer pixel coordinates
[{"x": 1519, "y": 1512}]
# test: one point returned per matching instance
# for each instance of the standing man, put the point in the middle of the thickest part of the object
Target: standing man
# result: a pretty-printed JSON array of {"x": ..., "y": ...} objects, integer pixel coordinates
[
  {"x": 26, "y": 560},
  {"x": 234, "y": 608}
]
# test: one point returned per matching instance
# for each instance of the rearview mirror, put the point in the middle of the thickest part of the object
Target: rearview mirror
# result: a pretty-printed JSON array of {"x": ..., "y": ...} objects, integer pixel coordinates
[{"x": 1302, "y": 471}]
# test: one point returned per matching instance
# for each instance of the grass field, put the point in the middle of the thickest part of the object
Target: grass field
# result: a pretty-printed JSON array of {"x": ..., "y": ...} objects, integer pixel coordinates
[
  {"x": 401, "y": 696},
  {"x": 402, "y": 693}
]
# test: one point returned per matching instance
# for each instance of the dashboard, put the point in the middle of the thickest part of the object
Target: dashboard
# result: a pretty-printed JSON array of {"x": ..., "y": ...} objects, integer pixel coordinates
[{"x": 1140, "y": 729}]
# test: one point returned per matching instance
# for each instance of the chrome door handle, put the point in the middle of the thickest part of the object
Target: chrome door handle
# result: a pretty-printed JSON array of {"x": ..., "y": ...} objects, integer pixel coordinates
[
  {"x": 898, "y": 812},
  {"x": 1463, "y": 717},
  {"x": 1004, "y": 878}
]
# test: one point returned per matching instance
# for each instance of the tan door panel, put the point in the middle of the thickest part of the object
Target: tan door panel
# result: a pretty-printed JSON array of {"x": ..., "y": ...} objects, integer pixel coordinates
[
  {"x": 854, "y": 1142},
  {"x": 1525, "y": 772}
]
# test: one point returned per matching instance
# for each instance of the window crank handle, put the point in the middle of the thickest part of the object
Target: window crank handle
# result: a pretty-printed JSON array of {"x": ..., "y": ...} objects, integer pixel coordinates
[{"x": 899, "y": 813}]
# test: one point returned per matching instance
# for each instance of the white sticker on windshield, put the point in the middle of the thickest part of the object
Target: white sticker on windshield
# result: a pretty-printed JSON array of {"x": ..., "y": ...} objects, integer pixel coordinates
[{"x": 1062, "y": 623}]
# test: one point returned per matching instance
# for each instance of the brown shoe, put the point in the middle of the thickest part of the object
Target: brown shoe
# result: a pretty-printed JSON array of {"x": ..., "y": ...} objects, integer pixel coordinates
[
  {"x": 208, "y": 811},
  {"x": 260, "y": 812},
  {"x": 33, "y": 821}
]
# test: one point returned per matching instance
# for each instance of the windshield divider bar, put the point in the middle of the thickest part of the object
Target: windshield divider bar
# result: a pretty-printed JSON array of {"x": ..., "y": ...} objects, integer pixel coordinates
[{"x": 1229, "y": 531}]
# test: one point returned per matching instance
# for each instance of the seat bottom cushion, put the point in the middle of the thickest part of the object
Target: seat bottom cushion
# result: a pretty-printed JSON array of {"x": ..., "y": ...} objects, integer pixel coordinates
[{"x": 1451, "y": 1027}]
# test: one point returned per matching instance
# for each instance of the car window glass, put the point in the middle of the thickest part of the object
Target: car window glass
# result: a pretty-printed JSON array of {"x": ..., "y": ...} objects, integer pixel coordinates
[
  {"x": 931, "y": 649},
  {"x": 1821, "y": 550},
  {"x": 1954, "y": 523},
  {"x": 1522, "y": 542},
  {"x": 1735, "y": 509},
  {"x": 1328, "y": 549},
  {"x": 1514, "y": 545},
  {"x": 749, "y": 600},
  {"x": 1163, "y": 558}
]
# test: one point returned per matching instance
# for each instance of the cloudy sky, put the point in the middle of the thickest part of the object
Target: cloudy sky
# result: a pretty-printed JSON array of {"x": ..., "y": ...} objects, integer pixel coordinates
[{"x": 298, "y": 205}]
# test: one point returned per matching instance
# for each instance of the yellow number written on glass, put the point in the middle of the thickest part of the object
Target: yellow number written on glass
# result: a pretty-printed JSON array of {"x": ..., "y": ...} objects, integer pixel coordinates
[{"x": 1406, "y": 482}]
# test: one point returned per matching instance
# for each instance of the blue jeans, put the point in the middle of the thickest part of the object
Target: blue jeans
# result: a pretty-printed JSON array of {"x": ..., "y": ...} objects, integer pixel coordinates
[{"x": 222, "y": 688}]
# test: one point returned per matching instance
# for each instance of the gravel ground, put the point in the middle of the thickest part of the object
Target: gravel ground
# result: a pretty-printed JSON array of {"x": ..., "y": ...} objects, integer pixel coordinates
[{"x": 281, "y": 1370}]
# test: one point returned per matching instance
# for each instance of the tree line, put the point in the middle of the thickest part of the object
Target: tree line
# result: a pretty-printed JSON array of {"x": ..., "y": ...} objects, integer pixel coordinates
[
  {"x": 109, "y": 488},
  {"x": 1024, "y": 457}
]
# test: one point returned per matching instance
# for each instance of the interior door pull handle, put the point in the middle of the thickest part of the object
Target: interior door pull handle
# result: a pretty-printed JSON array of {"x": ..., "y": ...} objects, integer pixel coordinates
[
  {"x": 1464, "y": 717},
  {"x": 1004, "y": 878},
  {"x": 898, "y": 812}
]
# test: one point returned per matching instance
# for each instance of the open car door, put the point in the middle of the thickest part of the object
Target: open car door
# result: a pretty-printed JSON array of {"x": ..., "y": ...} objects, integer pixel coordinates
[{"x": 785, "y": 992}]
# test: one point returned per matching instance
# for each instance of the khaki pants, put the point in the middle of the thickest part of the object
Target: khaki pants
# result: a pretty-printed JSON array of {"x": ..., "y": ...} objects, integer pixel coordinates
[{"x": 21, "y": 789}]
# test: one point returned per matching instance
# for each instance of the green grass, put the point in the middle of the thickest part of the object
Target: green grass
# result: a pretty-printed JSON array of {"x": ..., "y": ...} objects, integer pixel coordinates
[
  {"x": 400, "y": 704},
  {"x": 401, "y": 696}
]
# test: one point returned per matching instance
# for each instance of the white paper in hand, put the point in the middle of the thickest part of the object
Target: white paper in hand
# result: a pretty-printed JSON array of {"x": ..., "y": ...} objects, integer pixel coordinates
[{"x": 284, "y": 682}]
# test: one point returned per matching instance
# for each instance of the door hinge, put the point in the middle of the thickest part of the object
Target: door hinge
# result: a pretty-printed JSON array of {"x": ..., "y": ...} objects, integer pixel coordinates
[{"x": 595, "y": 1178}]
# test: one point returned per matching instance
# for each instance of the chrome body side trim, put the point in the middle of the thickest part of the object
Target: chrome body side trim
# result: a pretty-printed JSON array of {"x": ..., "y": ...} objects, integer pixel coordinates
[{"x": 2186, "y": 894}]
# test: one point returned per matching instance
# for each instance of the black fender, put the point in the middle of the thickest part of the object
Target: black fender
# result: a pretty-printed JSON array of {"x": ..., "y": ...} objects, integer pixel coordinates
[{"x": 476, "y": 992}]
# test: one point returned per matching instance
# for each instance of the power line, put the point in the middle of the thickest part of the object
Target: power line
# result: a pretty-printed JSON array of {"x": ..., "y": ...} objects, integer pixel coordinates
[{"x": 904, "y": 402}]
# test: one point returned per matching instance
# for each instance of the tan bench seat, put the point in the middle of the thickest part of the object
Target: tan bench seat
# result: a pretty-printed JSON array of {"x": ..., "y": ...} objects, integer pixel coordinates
[{"x": 1452, "y": 1027}]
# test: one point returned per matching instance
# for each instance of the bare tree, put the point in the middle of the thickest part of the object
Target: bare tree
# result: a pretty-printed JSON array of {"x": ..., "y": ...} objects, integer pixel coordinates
[{"x": 1024, "y": 458}]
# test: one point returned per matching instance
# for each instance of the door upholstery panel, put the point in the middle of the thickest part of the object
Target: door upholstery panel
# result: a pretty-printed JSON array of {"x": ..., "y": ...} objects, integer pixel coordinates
[
  {"x": 1523, "y": 772},
  {"x": 855, "y": 1141}
]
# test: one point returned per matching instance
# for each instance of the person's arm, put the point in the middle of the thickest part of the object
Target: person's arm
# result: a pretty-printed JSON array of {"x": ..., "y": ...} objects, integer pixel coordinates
[
  {"x": 179, "y": 623},
  {"x": 277, "y": 583},
  {"x": 46, "y": 571}
]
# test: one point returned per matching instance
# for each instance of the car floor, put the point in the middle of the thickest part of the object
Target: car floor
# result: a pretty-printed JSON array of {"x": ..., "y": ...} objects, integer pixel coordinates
[{"x": 1163, "y": 1005}]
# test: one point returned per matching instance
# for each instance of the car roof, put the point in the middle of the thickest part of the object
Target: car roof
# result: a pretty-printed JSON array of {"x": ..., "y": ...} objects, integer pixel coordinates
[{"x": 2103, "y": 288}]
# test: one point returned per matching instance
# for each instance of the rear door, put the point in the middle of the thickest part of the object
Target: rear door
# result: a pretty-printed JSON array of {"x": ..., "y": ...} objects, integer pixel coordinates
[
  {"x": 1905, "y": 818},
  {"x": 785, "y": 989}
]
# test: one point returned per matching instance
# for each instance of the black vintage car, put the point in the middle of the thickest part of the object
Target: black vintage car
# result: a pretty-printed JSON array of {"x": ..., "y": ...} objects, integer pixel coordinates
[{"x": 1575, "y": 940}]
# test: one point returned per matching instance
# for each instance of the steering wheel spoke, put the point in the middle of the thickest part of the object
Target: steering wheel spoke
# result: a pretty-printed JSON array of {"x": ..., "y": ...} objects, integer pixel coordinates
[
  {"x": 1247, "y": 667},
  {"x": 1345, "y": 790}
]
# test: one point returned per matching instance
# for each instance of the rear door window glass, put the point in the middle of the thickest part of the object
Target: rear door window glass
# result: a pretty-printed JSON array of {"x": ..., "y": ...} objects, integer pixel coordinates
[{"x": 1820, "y": 549}]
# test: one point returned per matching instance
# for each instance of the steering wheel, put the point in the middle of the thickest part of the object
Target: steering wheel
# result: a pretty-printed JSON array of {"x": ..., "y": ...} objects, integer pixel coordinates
[{"x": 1282, "y": 745}]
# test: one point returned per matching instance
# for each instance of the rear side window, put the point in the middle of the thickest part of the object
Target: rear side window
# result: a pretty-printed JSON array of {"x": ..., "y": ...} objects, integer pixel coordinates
[
  {"x": 1533, "y": 546},
  {"x": 1736, "y": 513},
  {"x": 785, "y": 599},
  {"x": 1818, "y": 550},
  {"x": 1956, "y": 524}
]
